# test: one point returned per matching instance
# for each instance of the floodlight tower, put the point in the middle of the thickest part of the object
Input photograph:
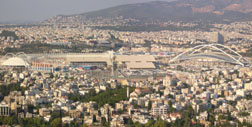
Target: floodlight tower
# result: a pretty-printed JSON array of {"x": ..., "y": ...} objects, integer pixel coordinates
[{"x": 111, "y": 57}]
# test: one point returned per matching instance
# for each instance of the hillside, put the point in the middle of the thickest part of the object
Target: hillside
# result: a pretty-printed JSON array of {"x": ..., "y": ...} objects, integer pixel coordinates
[{"x": 181, "y": 10}]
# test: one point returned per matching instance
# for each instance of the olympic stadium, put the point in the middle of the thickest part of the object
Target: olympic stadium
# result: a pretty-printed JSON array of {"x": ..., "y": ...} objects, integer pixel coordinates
[{"x": 209, "y": 55}]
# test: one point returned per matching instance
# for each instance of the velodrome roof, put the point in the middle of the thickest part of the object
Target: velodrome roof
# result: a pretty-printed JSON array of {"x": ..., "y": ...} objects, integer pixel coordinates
[{"x": 15, "y": 61}]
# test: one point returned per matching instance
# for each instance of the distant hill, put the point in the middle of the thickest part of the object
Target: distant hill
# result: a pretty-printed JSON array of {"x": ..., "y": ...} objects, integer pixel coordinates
[{"x": 181, "y": 10}]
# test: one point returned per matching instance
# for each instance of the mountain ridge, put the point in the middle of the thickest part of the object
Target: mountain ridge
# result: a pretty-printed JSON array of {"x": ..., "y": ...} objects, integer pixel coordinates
[{"x": 181, "y": 10}]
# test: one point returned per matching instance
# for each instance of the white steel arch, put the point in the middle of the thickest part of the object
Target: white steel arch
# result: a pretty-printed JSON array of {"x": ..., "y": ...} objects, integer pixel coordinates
[
  {"x": 9, "y": 54},
  {"x": 214, "y": 46},
  {"x": 21, "y": 53}
]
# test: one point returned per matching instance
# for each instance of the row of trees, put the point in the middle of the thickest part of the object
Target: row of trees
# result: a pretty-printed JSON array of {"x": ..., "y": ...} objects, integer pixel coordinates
[
  {"x": 6, "y": 33},
  {"x": 162, "y": 123},
  {"x": 36, "y": 122},
  {"x": 6, "y": 89},
  {"x": 24, "y": 122},
  {"x": 153, "y": 27},
  {"x": 37, "y": 47},
  {"x": 110, "y": 96}
]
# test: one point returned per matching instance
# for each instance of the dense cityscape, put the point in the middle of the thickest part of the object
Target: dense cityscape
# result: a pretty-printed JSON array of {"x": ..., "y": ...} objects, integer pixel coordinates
[{"x": 64, "y": 72}]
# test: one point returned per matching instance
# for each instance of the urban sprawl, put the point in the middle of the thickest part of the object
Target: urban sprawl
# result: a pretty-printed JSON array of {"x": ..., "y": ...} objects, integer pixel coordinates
[{"x": 79, "y": 75}]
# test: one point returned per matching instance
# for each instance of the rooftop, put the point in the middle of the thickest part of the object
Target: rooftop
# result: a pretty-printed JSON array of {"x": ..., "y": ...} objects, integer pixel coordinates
[{"x": 15, "y": 61}]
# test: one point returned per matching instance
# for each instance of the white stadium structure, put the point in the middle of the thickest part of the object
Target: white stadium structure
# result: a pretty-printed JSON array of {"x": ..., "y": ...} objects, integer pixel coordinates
[
  {"x": 15, "y": 62},
  {"x": 210, "y": 54}
]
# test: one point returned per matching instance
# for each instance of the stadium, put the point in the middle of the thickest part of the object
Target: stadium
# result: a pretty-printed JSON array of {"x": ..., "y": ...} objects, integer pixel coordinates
[{"x": 209, "y": 55}]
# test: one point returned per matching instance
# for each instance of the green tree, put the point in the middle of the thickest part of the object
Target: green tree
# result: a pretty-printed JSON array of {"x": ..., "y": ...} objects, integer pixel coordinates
[
  {"x": 160, "y": 123},
  {"x": 179, "y": 68},
  {"x": 149, "y": 105},
  {"x": 74, "y": 124},
  {"x": 110, "y": 96},
  {"x": 243, "y": 114},
  {"x": 130, "y": 122},
  {"x": 10, "y": 120},
  {"x": 211, "y": 119},
  {"x": 171, "y": 109},
  {"x": 56, "y": 122},
  {"x": 34, "y": 122},
  {"x": 104, "y": 122},
  {"x": 137, "y": 124},
  {"x": 150, "y": 123},
  {"x": 178, "y": 123},
  {"x": 6, "y": 33}
]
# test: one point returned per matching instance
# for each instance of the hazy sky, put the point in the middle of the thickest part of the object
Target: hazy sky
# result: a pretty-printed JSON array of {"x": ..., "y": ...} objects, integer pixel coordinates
[{"x": 36, "y": 10}]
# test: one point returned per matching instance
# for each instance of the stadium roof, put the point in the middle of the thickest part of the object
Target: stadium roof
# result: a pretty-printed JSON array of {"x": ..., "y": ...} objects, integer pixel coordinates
[
  {"x": 218, "y": 53},
  {"x": 15, "y": 61}
]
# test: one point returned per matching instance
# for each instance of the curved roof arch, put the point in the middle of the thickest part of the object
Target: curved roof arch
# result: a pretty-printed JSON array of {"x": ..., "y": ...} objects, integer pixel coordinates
[
  {"x": 9, "y": 55},
  {"x": 222, "y": 56},
  {"x": 21, "y": 54},
  {"x": 15, "y": 61}
]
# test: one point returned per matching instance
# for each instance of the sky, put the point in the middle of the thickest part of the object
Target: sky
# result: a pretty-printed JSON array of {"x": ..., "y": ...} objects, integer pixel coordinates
[{"x": 39, "y": 10}]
